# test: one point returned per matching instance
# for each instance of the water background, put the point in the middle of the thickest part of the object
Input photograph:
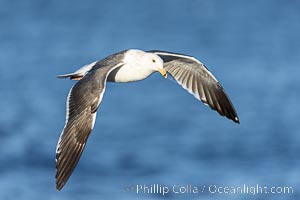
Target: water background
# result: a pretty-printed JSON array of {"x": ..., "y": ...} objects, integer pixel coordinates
[{"x": 151, "y": 132}]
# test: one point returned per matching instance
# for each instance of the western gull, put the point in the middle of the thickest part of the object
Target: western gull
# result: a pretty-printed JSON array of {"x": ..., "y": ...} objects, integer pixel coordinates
[{"x": 130, "y": 65}]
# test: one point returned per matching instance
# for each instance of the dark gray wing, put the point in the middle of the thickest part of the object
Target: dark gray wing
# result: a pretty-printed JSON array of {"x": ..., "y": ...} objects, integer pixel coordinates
[
  {"x": 82, "y": 103},
  {"x": 193, "y": 76}
]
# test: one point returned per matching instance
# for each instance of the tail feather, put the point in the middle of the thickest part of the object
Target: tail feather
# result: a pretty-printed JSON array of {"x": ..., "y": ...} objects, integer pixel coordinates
[
  {"x": 72, "y": 76},
  {"x": 77, "y": 75}
]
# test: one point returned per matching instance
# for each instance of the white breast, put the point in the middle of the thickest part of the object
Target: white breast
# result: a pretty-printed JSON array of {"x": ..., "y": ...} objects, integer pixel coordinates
[{"x": 129, "y": 73}]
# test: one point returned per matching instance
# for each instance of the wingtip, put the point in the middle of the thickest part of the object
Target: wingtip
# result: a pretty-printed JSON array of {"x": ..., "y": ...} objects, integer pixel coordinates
[
  {"x": 59, "y": 181},
  {"x": 58, "y": 189},
  {"x": 59, "y": 185},
  {"x": 236, "y": 120}
]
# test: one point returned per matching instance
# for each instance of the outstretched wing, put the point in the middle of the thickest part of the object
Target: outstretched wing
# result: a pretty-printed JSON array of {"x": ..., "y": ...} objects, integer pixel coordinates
[
  {"x": 193, "y": 76},
  {"x": 82, "y": 104}
]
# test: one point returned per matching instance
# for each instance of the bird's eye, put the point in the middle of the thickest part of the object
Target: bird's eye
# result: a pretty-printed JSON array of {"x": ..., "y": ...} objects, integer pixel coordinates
[{"x": 153, "y": 60}]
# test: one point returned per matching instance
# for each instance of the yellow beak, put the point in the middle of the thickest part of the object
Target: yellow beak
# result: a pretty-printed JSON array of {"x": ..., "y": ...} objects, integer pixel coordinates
[{"x": 163, "y": 72}]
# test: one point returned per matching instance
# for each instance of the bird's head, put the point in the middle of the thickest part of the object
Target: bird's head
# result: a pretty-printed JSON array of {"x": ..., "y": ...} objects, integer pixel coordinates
[
  {"x": 144, "y": 61},
  {"x": 156, "y": 63}
]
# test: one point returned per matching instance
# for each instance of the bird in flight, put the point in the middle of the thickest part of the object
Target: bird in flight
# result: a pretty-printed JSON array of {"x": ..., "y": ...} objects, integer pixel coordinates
[{"x": 130, "y": 65}]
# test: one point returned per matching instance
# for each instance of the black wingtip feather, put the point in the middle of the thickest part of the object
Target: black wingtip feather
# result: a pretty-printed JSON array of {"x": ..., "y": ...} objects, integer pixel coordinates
[{"x": 236, "y": 120}]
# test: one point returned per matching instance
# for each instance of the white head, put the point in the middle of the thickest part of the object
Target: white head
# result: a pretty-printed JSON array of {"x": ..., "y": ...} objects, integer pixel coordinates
[{"x": 145, "y": 62}]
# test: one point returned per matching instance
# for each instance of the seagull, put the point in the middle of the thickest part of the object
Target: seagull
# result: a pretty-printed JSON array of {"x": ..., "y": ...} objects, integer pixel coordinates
[{"x": 130, "y": 65}]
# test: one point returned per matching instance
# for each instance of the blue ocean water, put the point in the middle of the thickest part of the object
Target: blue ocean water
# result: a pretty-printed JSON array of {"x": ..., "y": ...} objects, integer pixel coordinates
[{"x": 152, "y": 132}]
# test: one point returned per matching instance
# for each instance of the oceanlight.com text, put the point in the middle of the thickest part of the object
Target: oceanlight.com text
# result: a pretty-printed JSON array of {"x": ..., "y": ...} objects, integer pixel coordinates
[{"x": 252, "y": 190}]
